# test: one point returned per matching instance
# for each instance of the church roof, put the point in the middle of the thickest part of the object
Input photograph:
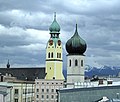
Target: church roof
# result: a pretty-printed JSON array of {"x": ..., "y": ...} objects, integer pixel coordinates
[{"x": 22, "y": 73}]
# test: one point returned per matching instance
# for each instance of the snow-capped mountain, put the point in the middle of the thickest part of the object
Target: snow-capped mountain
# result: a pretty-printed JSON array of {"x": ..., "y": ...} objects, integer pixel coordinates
[{"x": 101, "y": 71}]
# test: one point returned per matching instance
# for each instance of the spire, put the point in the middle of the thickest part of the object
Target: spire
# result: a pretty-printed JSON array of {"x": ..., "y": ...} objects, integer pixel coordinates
[
  {"x": 76, "y": 32},
  {"x": 8, "y": 65},
  {"x": 76, "y": 27},
  {"x": 55, "y": 16}
]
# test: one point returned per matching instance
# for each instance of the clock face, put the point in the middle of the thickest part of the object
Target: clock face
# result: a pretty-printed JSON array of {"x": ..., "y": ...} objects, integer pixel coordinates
[
  {"x": 50, "y": 42},
  {"x": 59, "y": 42}
]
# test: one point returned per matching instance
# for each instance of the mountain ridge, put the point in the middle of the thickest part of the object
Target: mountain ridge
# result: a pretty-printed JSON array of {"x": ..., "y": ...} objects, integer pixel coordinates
[{"x": 100, "y": 71}]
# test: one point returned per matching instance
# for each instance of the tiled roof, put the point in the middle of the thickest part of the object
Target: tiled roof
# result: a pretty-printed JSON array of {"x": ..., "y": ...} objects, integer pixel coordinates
[{"x": 25, "y": 73}]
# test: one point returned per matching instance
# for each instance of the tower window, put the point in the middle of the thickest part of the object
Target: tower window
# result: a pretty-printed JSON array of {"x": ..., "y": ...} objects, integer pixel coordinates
[
  {"x": 70, "y": 63},
  {"x": 52, "y": 55},
  {"x": 82, "y": 63},
  {"x": 49, "y": 55},
  {"x": 76, "y": 62},
  {"x": 60, "y": 55}
]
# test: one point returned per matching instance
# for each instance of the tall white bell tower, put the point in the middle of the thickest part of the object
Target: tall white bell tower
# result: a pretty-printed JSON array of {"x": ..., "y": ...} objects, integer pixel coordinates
[{"x": 75, "y": 47}]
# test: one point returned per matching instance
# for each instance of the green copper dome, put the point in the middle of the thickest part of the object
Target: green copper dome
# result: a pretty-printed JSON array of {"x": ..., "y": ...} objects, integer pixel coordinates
[
  {"x": 76, "y": 45},
  {"x": 54, "y": 27}
]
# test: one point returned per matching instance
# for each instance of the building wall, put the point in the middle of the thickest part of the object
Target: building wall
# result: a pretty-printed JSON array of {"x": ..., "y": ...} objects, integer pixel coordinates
[
  {"x": 54, "y": 70},
  {"x": 54, "y": 64},
  {"x": 5, "y": 92},
  {"x": 1, "y": 98},
  {"x": 88, "y": 94},
  {"x": 75, "y": 73},
  {"x": 22, "y": 92},
  {"x": 45, "y": 90}
]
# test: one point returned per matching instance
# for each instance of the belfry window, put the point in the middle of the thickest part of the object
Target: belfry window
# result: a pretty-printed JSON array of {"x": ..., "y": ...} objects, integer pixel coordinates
[
  {"x": 82, "y": 63},
  {"x": 69, "y": 63},
  {"x": 49, "y": 55},
  {"x": 52, "y": 55},
  {"x": 59, "y": 55},
  {"x": 76, "y": 62}
]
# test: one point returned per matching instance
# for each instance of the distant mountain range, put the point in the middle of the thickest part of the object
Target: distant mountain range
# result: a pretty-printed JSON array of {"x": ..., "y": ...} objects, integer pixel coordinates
[{"x": 101, "y": 71}]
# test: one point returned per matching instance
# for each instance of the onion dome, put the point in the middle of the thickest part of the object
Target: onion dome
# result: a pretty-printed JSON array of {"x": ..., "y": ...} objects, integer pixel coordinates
[
  {"x": 76, "y": 45},
  {"x": 54, "y": 27}
]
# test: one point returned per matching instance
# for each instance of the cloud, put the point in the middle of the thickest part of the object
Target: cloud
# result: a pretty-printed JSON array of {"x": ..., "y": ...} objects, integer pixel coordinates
[{"x": 24, "y": 29}]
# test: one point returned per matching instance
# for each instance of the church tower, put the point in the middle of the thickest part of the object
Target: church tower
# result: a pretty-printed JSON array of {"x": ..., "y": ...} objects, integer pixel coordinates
[
  {"x": 75, "y": 47},
  {"x": 54, "y": 62}
]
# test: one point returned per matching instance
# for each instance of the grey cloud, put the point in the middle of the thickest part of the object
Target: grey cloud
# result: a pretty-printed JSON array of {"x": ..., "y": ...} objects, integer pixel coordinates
[
  {"x": 21, "y": 56},
  {"x": 98, "y": 23}
]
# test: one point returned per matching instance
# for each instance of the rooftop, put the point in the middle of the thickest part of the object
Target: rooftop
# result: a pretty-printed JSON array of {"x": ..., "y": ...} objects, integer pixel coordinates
[{"x": 26, "y": 74}]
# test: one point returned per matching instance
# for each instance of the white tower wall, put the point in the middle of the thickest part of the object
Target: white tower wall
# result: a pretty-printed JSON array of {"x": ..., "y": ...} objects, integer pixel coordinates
[{"x": 75, "y": 69}]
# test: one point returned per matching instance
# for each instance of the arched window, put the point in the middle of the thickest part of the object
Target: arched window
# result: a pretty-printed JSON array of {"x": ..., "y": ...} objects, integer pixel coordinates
[
  {"x": 52, "y": 55},
  {"x": 69, "y": 63},
  {"x": 59, "y": 55},
  {"x": 49, "y": 55},
  {"x": 82, "y": 63},
  {"x": 76, "y": 62}
]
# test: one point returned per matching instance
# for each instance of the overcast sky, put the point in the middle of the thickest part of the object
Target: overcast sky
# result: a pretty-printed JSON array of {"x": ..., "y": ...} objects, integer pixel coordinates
[{"x": 24, "y": 30}]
